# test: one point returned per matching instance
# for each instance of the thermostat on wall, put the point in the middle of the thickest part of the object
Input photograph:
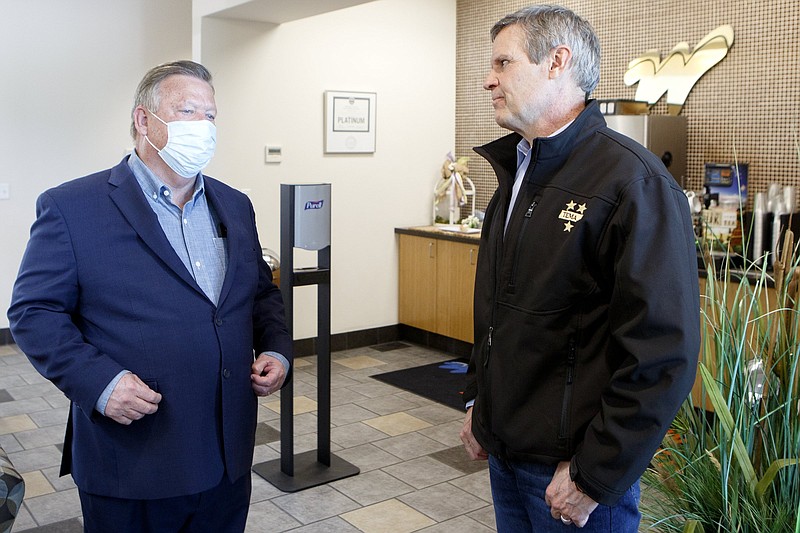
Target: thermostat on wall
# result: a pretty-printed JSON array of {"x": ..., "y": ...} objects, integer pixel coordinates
[{"x": 272, "y": 154}]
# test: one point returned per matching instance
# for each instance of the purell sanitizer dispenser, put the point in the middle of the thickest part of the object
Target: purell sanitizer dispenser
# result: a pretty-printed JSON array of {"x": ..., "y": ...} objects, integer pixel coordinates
[
  {"x": 306, "y": 223},
  {"x": 312, "y": 216}
]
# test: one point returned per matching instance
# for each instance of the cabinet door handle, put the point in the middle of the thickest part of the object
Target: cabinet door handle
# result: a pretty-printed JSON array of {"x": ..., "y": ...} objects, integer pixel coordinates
[
  {"x": 430, "y": 250},
  {"x": 472, "y": 256}
]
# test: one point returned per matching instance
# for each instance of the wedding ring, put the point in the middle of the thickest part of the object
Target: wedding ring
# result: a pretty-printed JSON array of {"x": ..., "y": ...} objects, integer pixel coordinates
[{"x": 566, "y": 521}]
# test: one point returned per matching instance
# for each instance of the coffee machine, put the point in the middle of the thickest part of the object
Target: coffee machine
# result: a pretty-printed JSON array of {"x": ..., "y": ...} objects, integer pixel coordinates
[{"x": 664, "y": 135}]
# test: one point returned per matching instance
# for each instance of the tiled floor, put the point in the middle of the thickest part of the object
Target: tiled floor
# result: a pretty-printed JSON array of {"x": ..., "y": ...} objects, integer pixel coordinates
[{"x": 414, "y": 475}]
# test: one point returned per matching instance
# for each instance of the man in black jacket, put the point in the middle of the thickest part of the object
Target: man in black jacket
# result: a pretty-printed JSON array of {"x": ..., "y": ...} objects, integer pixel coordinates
[{"x": 586, "y": 299}]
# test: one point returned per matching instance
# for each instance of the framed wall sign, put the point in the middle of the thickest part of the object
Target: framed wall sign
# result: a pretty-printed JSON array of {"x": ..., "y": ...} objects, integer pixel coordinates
[{"x": 349, "y": 122}]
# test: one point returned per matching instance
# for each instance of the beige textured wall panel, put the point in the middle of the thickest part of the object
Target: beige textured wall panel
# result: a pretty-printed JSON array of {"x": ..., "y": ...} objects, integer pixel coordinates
[{"x": 745, "y": 108}]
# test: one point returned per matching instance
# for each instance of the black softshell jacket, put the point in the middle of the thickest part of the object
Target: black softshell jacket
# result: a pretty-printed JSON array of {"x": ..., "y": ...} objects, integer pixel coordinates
[{"x": 587, "y": 326}]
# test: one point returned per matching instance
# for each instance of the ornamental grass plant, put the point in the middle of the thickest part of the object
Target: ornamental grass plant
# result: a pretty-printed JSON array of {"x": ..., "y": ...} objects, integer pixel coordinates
[{"x": 730, "y": 460}]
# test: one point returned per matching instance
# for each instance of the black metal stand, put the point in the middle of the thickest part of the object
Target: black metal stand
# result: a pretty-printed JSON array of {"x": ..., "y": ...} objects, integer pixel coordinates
[{"x": 293, "y": 473}]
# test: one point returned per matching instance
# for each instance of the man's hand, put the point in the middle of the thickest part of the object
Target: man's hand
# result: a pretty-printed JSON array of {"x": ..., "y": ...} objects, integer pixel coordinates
[
  {"x": 131, "y": 400},
  {"x": 267, "y": 375},
  {"x": 474, "y": 450},
  {"x": 566, "y": 502}
]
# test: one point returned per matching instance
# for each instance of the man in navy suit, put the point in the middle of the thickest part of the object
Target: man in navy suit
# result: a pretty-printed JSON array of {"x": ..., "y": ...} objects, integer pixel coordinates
[{"x": 143, "y": 296}]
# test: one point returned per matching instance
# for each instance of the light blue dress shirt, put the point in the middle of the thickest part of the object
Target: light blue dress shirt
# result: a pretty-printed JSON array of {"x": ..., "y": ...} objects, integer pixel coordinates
[
  {"x": 523, "y": 160},
  {"x": 192, "y": 231}
]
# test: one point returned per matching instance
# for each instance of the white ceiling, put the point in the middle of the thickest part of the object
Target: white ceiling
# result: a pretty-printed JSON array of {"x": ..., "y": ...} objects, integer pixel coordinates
[{"x": 273, "y": 11}]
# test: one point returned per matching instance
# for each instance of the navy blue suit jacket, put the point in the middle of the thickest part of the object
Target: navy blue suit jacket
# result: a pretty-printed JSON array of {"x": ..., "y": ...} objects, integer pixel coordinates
[{"x": 100, "y": 289}]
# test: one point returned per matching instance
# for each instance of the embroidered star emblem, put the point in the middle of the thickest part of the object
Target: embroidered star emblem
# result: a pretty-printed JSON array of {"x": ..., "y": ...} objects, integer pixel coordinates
[
  {"x": 571, "y": 205},
  {"x": 568, "y": 226},
  {"x": 581, "y": 208}
]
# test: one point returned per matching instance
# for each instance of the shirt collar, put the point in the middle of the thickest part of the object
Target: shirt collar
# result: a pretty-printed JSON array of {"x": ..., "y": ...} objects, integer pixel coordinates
[
  {"x": 562, "y": 128},
  {"x": 523, "y": 147},
  {"x": 152, "y": 186}
]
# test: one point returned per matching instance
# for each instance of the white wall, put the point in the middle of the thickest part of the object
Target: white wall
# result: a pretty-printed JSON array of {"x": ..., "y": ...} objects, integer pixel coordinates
[
  {"x": 270, "y": 82},
  {"x": 69, "y": 70}
]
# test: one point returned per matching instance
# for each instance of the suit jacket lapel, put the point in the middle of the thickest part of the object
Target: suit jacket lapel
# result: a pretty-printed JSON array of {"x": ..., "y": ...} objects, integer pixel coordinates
[
  {"x": 130, "y": 200},
  {"x": 234, "y": 236}
]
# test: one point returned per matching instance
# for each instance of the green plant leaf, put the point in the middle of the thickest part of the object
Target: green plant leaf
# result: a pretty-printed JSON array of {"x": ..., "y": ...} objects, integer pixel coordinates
[
  {"x": 693, "y": 526},
  {"x": 797, "y": 522},
  {"x": 772, "y": 471},
  {"x": 726, "y": 420}
]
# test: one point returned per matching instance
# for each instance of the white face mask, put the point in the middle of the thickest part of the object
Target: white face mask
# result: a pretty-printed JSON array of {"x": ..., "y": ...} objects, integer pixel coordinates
[{"x": 190, "y": 145}]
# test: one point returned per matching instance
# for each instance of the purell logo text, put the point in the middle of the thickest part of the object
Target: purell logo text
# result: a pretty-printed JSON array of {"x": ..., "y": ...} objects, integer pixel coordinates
[{"x": 314, "y": 205}]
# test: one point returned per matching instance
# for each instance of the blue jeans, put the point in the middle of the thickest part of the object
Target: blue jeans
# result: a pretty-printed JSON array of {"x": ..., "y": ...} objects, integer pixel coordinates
[{"x": 518, "y": 493}]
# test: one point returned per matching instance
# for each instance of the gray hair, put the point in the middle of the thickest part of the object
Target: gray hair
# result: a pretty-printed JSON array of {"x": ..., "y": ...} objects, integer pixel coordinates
[
  {"x": 147, "y": 93},
  {"x": 546, "y": 27}
]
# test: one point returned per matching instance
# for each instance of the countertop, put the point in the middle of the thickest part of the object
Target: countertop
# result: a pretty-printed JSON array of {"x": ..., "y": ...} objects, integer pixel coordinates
[
  {"x": 456, "y": 235},
  {"x": 736, "y": 270},
  {"x": 436, "y": 232}
]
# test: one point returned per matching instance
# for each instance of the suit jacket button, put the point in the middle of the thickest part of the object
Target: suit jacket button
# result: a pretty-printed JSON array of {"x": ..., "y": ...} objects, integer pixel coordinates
[
  {"x": 218, "y": 321},
  {"x": 226, "y": 373}
]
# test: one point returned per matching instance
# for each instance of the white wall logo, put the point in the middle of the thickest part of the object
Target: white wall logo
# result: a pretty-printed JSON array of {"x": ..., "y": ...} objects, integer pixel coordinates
[
  {"x": 679, "y": 71},
  {"x": 573, "y": 213}
]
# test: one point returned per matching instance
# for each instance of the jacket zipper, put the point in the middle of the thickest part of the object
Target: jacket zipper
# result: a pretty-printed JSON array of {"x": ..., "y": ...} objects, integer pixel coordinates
[
  {"x": 565, "y": 407},
  {"x": 496, "y": 282},
  {"x": 488, "y": 347},
  {"x": 520, "y": 236},
  {"x": 487, "y": 400}
]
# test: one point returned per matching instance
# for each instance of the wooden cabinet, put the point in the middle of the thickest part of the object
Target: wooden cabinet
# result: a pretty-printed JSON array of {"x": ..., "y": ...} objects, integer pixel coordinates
[
  {"x": 455, "y": 287},
  {"x": 437, "y": 278},
  {"x": 417, "y": 297}
]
